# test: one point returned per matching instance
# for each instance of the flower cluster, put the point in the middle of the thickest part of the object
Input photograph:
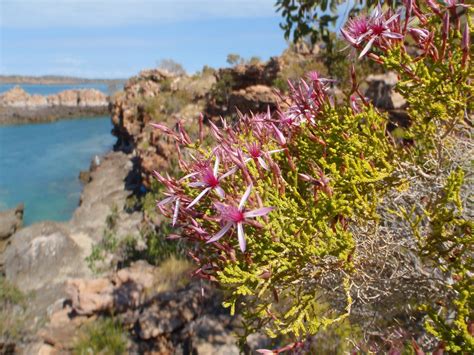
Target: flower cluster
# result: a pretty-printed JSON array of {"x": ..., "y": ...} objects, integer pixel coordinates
[
  {"x": 380, "y": 29},
  {"x": 204, "y": 191}
]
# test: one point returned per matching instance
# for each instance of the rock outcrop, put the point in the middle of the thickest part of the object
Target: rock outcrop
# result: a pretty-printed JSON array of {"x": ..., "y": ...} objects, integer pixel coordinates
[
  {"x": 381, "y": 93},
  {"x": 255, "y": 98},
  {"x": 156, "y": 95},
  {"x": 246, "y": 88},
  {"x": 17, "y": 106},
  {"x": 188, "y": 320}
]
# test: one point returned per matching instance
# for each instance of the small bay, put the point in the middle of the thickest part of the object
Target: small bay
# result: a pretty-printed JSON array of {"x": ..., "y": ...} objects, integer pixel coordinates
[{"x": 40, "y": 164}]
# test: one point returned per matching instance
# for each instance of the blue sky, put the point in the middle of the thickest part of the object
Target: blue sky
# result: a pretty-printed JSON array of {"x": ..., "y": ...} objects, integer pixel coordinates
[{"x": 118, "y": 38}]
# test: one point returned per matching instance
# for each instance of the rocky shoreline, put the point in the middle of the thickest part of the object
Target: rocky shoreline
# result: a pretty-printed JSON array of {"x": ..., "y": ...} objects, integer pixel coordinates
[{"x": 17, "y": 106}]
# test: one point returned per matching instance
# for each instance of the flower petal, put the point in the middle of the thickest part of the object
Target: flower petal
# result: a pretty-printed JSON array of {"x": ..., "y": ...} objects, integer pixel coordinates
[
  {"x": 241, "y": 236},
  {"x": 176, "y": 210},
  {"x": 188, "y": 176},
  {"x": 216, "y": 166},
  {"x": 275, "y": 151},
  {"x": 367, "y": 47},
  {"x": 245, "y": 197},
  {"x": 258, "y": 212},
  {"x": 393, "y": 35},
  {"x": 165, "y": 201},
  {"x": 230, "y": 172},
  {"x": 201, "y": 195},
  {"x": 262, "y": 163},
  {"x": 221, "y": 233},
  {"x": 219, "y": 191}
]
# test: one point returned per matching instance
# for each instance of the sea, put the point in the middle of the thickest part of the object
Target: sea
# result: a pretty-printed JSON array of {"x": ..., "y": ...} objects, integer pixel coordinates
[
  {"x": 50, "y": 89},
  {"x": 40, "y": 162}
]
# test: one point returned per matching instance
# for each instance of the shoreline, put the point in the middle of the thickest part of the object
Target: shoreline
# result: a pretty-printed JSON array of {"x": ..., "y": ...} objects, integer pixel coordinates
[{"x": 18, "y": 116}]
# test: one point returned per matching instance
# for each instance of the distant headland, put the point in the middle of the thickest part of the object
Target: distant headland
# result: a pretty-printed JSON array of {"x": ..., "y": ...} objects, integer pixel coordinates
[
  {"x": 56, "y": 79},
  {"x": 17, "y": 106}
]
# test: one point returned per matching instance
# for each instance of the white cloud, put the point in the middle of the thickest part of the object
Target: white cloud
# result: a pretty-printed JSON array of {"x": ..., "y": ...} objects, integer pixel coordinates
[{"x": 108, "y": 13}]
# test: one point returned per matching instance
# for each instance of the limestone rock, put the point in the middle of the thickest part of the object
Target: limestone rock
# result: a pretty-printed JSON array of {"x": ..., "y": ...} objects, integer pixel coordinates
[
  {"x": 41, "y": 254},
  {"x": 17, "y": 106},
  {"x": 19, "y": 98}
]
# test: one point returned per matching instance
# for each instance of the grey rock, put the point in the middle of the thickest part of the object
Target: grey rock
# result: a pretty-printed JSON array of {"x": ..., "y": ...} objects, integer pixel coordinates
[{"x": 41, "y": 254}]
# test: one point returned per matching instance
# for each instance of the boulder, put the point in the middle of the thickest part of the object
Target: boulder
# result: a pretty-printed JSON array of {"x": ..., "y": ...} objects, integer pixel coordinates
[
  {"x": 41, "y": 255},
  {"x": 242, "y": 76}
]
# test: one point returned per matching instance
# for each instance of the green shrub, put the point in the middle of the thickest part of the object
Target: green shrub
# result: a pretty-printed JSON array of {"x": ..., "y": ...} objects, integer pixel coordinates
[
  {"x": 102, "y": 336},
  {"x": 12, "y": 311},
  {"x": 301, "y": 216}
]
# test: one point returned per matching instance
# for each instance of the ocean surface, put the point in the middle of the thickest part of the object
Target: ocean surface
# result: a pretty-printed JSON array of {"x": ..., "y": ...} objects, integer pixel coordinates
[
  {"x": 40, "y": 164},
  {"x": 41, "y": 89}
]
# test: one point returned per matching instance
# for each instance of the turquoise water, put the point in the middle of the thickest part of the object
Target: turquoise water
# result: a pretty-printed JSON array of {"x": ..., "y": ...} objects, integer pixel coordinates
[
  {"x": 41, "y": 89},
  {"x": 40, "y": 164}
]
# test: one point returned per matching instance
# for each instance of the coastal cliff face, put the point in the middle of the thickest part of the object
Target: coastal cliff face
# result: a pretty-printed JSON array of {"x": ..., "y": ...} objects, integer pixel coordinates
[
  {"x": 17, "y": 106},
  {"x": 158, "y": 96}
]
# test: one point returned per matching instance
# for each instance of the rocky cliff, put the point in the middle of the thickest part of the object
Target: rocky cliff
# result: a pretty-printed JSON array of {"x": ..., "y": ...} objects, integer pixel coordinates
[
  {"x": 158, "y": 96},
  {"x": 17, "y": 106}
]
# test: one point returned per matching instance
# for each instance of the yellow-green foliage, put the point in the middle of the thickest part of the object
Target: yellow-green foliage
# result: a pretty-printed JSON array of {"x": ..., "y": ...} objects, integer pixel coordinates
[{"x": 307, "y": 231}]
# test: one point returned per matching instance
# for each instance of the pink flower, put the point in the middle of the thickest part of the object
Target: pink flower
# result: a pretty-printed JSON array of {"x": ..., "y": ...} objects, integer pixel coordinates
[
  {"x": 172, "y": 194},
  {"x": 356, "y": 30},
  {"x": 236, "y": 216},
  {"x": 315, "y": 77},
  {"x": 210, "y": 180},
  {"x": 355, "y": 104},
  {"x": 170, "y": 199},
  {"x": 255, "y": 152},
  {"x": 375, "y": 29}
]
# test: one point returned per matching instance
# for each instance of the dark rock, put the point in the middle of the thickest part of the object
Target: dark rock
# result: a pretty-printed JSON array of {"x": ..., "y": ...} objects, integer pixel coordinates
[
  {"x": 10, "y": 221},
  {"x": 85, "y": 176},
  {"x": 381, "y": 93},
  {"x": 7, "y": 348}
]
